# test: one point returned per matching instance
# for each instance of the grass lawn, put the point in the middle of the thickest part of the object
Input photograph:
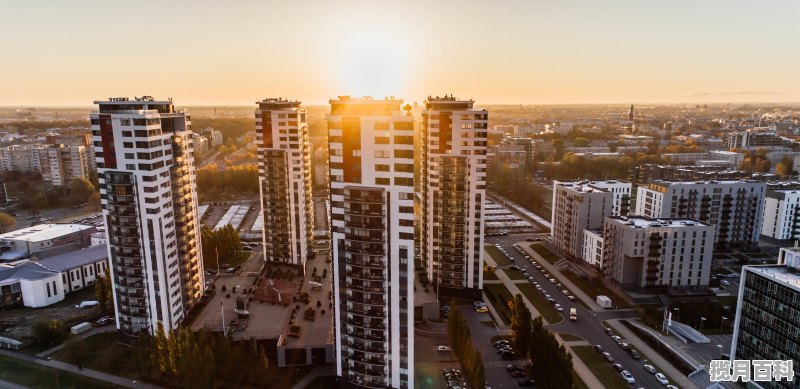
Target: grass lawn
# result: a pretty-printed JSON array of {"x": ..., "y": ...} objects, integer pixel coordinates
[
  {"x": 36, "y": 376},
  {"x": 545, "y": 253},
  {"x": 569, "y": 337},
  {"x": 109, "y": 356},
  {"x": 499, "y": 296},
  {"x": 498, "y": 257},
  {"x": 548, "y": 312},
  {"x": 514, "y": 274},
  {"x": 594, "y": 289},
  {"x": 600, "y": 367},
  {"x": 577, "y": 382},
  {"x": 489, "y": 275}
]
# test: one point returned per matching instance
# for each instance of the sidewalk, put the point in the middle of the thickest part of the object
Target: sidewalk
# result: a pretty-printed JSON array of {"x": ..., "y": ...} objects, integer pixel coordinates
[
  {"x": 93, "y": 331},
  {"x": 680, "y": 379},
  {"x": 555, "y": 272}
]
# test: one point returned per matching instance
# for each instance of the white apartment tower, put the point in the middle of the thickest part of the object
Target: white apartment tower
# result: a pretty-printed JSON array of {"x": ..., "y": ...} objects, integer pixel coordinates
[
  {"x": 782, "y": 215},
  {"x": 147, "y": 188},
  {"x": 582, "y": 205},
  {"x": 284, "y": 167},
  {"x": 454, "y": 137},
  {"x": 734, "y": 207},
  {"x": 371, "y": 148},
  {"x": 657, "y": 253}
]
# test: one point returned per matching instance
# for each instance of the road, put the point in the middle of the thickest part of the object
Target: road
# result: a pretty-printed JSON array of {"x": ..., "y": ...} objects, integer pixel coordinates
[{"x": 589, "y": 325}]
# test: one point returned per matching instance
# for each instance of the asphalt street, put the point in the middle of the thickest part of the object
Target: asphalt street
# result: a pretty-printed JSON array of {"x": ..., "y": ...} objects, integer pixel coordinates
[{"x": 589, "y": 325}]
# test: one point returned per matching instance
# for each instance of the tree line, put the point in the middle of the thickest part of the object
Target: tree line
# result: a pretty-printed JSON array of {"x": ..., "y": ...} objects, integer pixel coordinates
[
  {"x": 34, "y": 198},
  {"x": 232, "y": 180},
  {"x": 186, "y": 359},
  {"x": 551, "y": 362},
  {"x": 466, "y": 353},
  {"x": 224, "y": 241}
]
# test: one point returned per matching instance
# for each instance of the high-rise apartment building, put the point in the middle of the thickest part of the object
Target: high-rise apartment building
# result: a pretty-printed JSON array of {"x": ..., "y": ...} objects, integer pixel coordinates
[
  {"x": 657, "y": 253},
  {"x": 284, "y": 167},
  {"x": 767, "y": 326},
  {"x": 371, "y": 148},
  {"x": 147, "y": 189},
  {"x": 782, "y": 215},
  {"x": 454, "y": 138},
  {"x": 735, "y": 207},
  {"x": 582, "y": 205}
]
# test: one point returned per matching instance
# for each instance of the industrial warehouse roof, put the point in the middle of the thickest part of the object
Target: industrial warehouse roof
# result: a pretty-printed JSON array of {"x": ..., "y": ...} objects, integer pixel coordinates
[
  {"x": 25, "y": 271},
  {"x": 44, "y": 232},
  {"x": 77, "y": 258}
]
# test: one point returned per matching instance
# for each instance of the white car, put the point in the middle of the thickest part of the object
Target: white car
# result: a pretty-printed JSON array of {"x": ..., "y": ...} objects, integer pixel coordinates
[
  {"x": 627, "y": 376},
  {"x": 726, "y": 283},
  {"x": 559, "y": 308},
  {"x": 650, "y": 369},
  {"x": 662, "y": 379},
  {"x": 442, "y": 348}
]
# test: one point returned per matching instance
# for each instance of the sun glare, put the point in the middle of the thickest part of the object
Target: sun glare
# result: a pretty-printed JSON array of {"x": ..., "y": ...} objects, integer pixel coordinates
[{"x": 375, "y": 65}]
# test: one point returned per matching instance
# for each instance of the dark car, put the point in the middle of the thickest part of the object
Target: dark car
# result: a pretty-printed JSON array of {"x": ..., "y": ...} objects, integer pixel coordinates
[
  {"x": 513, "y": 267},
  {"x": 608, "y": 357},
  {"x": 507, "y": 354},
  {"x": 519, "y": 374},
  {"x": 599, "y": 348},
  {"x": 635, "y": 355},
  {"x": 512, "y": 367},
  {"x": 618, "y": 367},
  {"x": 609, "y": 332},
  {"x": 525, "y": 382}
]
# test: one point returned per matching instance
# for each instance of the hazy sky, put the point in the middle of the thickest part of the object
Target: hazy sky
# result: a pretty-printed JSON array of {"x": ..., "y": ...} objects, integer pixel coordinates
[{"x": 495, "y": 51}]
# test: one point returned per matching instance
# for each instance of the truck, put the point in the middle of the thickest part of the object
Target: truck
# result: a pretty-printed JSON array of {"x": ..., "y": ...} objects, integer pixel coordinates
[
  {"x": 573, "y": 314},
  {"x": 80, "y": 328},
  {"x": 604, "y": 301}
]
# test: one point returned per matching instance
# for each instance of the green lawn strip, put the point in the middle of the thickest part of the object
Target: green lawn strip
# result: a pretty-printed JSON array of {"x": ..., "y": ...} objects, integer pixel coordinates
[
  {"x": 498, "y": 257},
  {"x": 600, "y": 367},
  {"x": 570, "y": 337},
  {"x": 594, "y": 289},
  {"x": 36, "y": 376},
  {"x": 577, "y": 381},
  {"x": 489, "y": 275},
  {"x": 499, "y": 296},
  {"x": 514, "y": 274},
  {"x": 548, "y": 312},
  {"x": 545, "y": 253},
  {"x": 109, "y": 356}
]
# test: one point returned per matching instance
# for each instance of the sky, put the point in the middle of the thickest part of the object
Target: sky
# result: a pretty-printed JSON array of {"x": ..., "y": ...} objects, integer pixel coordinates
[{"x": 494, "y": 51}]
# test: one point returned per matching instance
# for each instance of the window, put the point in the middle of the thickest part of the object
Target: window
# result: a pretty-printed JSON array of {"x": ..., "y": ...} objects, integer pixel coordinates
[
  {"x": 404, "y": 153},
  {"x": 404, "y": 140},
  {"x": 382, "y": 154},
  {"x": 404, "y": 126},
  {"x": 382, "y": 181},
  {"x": 381, "y": 140},
  {"x": 381, "y": 168},
  {"x": 404, "y": 167}
]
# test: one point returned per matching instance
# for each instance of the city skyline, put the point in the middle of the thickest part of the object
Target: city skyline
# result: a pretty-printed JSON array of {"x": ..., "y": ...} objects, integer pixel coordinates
[{"x": 525, "y": 52}]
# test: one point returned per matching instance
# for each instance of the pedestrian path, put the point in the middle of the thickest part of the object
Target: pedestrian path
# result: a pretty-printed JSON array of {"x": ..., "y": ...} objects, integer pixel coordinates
[{"x": 93, "y": 331}]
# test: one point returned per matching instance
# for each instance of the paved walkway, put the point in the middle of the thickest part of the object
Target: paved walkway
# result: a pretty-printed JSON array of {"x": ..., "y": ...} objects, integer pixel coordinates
[
  {"x": 10, "y": 385},
  {"x": 647, "y": 352},
  {"x": 93, "y": 331},
  {"x": 117, "y": 380}
]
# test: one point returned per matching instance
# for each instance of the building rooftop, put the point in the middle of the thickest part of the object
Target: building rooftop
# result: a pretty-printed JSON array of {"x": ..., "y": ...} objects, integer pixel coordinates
[
  {"x": 780, "y": 273},
  {"x": 73, "y": 259},
  {"x": 703, "y": 182},
  {"x": 581, "y": 187},
  {"x": 123, "y": 100},
  {"x": 44, "y": 232},
  {"x": 23, "y": 271},
  {"x": 642, "y": 221}
]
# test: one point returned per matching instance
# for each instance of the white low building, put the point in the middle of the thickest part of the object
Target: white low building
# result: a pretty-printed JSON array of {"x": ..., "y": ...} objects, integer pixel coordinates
[{"x": 44, "y": 240}]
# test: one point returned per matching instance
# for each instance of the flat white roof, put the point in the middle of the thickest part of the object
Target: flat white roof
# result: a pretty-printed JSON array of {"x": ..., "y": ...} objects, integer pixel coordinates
[
  {"x": 780, "y": 273},
  {"x": 641, "y": 221},
  {"x": 44, "y": 232}
]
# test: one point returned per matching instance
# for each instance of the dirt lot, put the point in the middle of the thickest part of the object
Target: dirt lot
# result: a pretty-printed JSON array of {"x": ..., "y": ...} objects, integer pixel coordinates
[{"x": 24, "y": 317}]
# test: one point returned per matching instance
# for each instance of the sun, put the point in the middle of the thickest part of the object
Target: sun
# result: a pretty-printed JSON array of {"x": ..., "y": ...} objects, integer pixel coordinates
[{"x": 372, "y": 63}]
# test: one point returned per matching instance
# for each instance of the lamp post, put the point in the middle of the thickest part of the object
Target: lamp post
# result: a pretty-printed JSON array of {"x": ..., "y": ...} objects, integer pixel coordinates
[
  {"x": 677, "y": 311},
  {"x": 702, "y": 319},
  {"x": 216, "y": 251},
  {"x": 722, "y": 323}
]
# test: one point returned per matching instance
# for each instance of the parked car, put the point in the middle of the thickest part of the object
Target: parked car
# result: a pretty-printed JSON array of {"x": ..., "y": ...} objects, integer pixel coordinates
[
  {"x": 525, "y": 382},
  {"x": 618, "y": 367},
  {"x": 559, "y": 308},
  {"x": 513, "y": 367},
  {"x": 105, "y": 320},
  {"x": 616, "y": 339},
  {"x": 86, "y": 304},
  {"x": 649, "y": 368},
  {"x": 608, "y": 357},
  {"x": 635, "y": 354},
  {"x": 662, "y": 379},
  {"x": 230, "y": 270},
  {"x": 628, "y": 377},
  {"x": 599, "y": 348},
  {"x": 625, "y": 347},
  {"x": 724, "y": 282},
  {"x": 442, "y": 347},
  {"x": 518, "y": 374},
  {"x": 609, "y": 332},
  {"x": 513, "y": 267},
  {"x": 571, "y": 298},
  {"x": 500, "y": 342}
]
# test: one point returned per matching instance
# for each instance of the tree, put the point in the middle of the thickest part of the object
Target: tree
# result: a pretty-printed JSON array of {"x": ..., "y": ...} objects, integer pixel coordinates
[
  {"x": 552, "y": 364},
  {"x": 49, "y": 332},
  {"x": 7, "y": 222},
  {"x": 520, "y": 324},
  {"x": 80, "y": 190},
  {"x": 103, "y": 292},
  {"x": 225, "y": 240},
  {"x": 784, "y": 167}
]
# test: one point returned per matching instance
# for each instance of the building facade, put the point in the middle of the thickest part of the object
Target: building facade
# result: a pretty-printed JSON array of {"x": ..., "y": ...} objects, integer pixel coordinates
[
  {"x": 284, "y": 166},
  {"x": 781, "y": 215},
  {"x": 593, "y": 248},
  {"x": 147, "y": 188},
  {"x": 371, "y": 148},
  {"x": 454, "y": 138},
  {"x": 735, "y": 208},
  {"x": 582, "y": 205},
  {"x": 766, "y": 325},
  {"x": 57, "y": 164},
  {"x": 642, "y": 252}
]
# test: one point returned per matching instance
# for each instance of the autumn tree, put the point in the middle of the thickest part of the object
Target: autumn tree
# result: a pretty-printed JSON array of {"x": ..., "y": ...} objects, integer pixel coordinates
[
  {"x": 7, "y": 222},
  {"x": 520, "y": 324},
  {"x": 103, "y": 293}
]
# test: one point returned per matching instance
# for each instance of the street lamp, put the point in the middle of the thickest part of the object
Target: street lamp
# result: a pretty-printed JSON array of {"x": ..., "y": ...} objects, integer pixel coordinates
[
  {"x": 677, "y": 311},
  {"x": 702, "y": 319},
  {"x": 721, "y": 323},
  {"x": 216, "y": 250}
]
